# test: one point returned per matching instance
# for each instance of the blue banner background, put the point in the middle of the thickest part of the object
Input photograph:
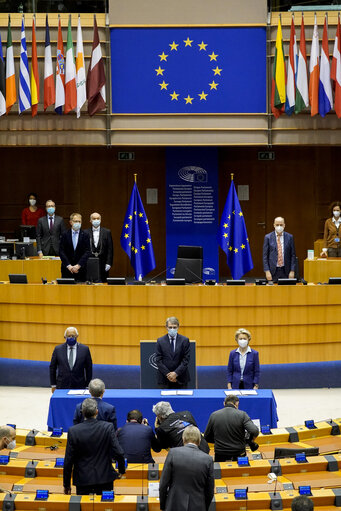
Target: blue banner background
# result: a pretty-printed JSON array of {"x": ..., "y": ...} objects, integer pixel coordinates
[
  {"x": 205, "y": 182},
  {"x": 233, "y": 58}
]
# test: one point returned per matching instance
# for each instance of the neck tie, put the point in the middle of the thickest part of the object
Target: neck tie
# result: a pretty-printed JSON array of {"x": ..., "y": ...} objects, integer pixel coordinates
[
  {"x": 74, "y": 239},
  {"x": 280, "y": 252},
  {"x": 71, "y": 358},
  {"x": 173, "y": 344},
  {"x": 51, "y": 223}
]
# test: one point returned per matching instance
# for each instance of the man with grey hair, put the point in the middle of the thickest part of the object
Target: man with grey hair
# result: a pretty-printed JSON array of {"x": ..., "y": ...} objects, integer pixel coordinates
[
  {"x": 106, "y": 411},
  {"x": 170, "y": 425},
  {"x": 101, "y": 245},
  {"x": 279, "y": 256},
  {"x": 7, "y": 437},
  {"x": 71, "y": 363},
  {"x": 187, "y": 479},
  {"x": 172, "y": 357},
  {"x": 74, "y": 250},
  {"x": 91, "y": 447}
]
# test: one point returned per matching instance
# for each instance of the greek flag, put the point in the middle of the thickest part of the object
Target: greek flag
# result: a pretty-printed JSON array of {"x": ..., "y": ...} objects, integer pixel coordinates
[{"x": 24, "y": 75}]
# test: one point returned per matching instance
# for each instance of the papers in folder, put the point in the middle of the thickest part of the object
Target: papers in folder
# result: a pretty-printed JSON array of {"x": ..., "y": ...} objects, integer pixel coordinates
[
  {"x": 248, "y": 392},
  {"x": 79, "y": 392},
  {"x": 176, "y": 392}
]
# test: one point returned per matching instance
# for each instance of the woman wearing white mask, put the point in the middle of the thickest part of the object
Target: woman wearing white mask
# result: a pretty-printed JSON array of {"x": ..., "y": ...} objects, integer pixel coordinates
[
  {"x": 243, "y": 366},
  {"x": 332, "y": 233},
  {"x": 31, "y": 214}
]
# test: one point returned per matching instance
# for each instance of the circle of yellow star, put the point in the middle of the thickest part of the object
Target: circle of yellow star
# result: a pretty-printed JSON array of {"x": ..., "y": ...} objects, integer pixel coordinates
[
  {"x": 226, "y": 226},
  {"x": 213, "y": 56},
  {"x": 126, "y": 235},
  {"x": 148, "y": 240},
  {"x": 126, "y": 226},
  {"x": 230, "y": 248},
  {"x": 163, "y": 85},
  {"x": 202, "y": 96},
  {"x": 141, "y": 214},
  {"x": 240, "y": 214},
  {"x": 188, "y": 99},
  {"x": 174, "y": 46},
  {"x": 188, "y": 41},
  {"x": 213, "y": 85},
  {"x": 159, "y": 71},
  {"x": 236, "y": 250},
  {"x": 130, "y": 217},
  {"x": 163, "y": 56},
  {"x": 225, "y": 235},
  {"x": 217, "y": 71},
  {"x": 202, "y": 46},
  {"x": 143, "y": 247},
  {"x": 242, "y": 246},
  {"x": 174, "y": 96}
]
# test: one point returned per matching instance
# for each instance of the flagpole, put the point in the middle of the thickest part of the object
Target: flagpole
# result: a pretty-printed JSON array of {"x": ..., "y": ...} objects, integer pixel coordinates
[
  {"x": 232, "y": 176},
  {"x": 135, "y": 178}
]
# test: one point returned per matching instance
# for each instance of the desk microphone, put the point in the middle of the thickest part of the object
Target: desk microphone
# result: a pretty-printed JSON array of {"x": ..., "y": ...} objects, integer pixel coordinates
[{"x": 195, "y": 275}]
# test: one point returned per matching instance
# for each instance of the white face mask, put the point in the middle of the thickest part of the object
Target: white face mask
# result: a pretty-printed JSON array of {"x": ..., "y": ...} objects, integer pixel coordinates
[
  {"x": 32, "y": 202},
  {"x": 11, "y": 445},
  {"x": 76, "y": 226},
  {"x": 279, "y": 229},
  {"x": 96, "y": 223},
  {"x": 243, "y": 343},
  {"x": 172, "y": 332},
  {"x": 336, "y": 213}
]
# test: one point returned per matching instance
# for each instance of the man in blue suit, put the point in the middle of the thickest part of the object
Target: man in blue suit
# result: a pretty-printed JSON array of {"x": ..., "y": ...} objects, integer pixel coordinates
[
  {"x": 106, "y": 411},
  {"x": 279, "y": 256},
  {"x": 71, "y": 363},
  {"x": 172, "y": 357},
  {"x": 74, "y": 250}
]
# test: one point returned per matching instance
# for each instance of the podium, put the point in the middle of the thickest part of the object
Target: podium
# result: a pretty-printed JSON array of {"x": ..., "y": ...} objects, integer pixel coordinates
[{"x": 148, "y": 378}]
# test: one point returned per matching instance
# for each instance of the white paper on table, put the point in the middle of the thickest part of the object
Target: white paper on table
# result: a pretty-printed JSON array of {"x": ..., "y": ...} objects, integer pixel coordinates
[
  {"x": 153, "y": 489},
  {"x": 86, "y": 391},
  {"x": 249, "y": 392},
  {"x": 256, "y": 423},
  {"x": 77, "y": 392},
  {"x": 184, "y": 392},
  {"x": 168, "y": 392},
  {"x": 234, "y": 392}
]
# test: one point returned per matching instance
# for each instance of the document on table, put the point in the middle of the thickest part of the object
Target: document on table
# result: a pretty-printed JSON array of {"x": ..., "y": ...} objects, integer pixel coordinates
[
  {"x": 168, "y": 392},
  {"x": 249, "y": 392},
  {"x": 77, "y": 392},
  {"x": 184, "y": 392},
  {"x": 153, "y": 489},
  {"x": 234, "y": 392}
]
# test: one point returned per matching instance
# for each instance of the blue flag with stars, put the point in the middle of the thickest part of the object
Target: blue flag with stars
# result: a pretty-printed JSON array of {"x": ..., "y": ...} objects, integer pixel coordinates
[
  {"x": 232, "y": 236},
  {"x": 135, "y": 237}
]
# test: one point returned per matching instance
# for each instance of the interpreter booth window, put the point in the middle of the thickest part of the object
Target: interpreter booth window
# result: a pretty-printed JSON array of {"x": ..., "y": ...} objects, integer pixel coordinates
[{"x": 54, "y": 6}]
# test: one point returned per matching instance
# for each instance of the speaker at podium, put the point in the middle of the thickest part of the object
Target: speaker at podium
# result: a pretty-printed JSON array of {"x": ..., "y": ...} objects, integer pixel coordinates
[{"x": 148, "y": 374}]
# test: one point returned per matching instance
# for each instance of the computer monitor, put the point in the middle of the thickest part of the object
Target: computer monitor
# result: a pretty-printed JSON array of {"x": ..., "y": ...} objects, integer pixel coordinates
[
  {"x": 286, "y": 452},
  {"x": 92, "y": 270},
  {"x": 66, "y": 281},
  {"x": 23, "y": 250},
  {"x": 27, "y": 231},
  {"x": 175, "y": 282},
  {"x": 334, "y": 280},
  {"x": 287, "y": 282},
  {"x": 116, "y": 281},
  {"x": 17, "y": 278},
  {"x": 235, "y": 282},
  {"x": 189, "y": 264},
  {"x": 6, "y": 250}
]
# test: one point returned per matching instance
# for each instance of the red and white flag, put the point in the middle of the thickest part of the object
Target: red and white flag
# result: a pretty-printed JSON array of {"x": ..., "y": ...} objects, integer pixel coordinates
[
  {"x": 335, "y": 72},
  {"x": 49, "y": 88},
  {"x": 95, "y": 81},
  {"x": 60, "y": 73},
  {"x": 70, "y": 74}
]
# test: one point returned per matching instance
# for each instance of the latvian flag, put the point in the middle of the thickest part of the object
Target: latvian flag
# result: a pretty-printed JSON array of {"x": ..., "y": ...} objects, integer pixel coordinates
[{"x": 95, "y": 82}]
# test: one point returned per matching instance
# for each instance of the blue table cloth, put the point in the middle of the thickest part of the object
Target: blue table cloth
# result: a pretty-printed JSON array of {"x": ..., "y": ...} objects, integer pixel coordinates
[{"x": 201, "y": 404}]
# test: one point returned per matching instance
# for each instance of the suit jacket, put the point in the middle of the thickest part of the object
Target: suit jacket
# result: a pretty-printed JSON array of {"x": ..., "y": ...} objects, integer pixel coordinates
[
  {"x": 91, "y": 447},
  {"x": 70, "y": 256},
  {"x": 104, "y": 249},
  {"x": 106, "y": 412},
  {"x": 168, "y": 361},
  {"x": 136, "y": 441},
  {"x": 270, "y": 253},
  {"x": 187, "y": 480},
  {"x": 45, "y": 238},
  {"x": 60, "y": 373},
  {"x": 251, "y": 370}
]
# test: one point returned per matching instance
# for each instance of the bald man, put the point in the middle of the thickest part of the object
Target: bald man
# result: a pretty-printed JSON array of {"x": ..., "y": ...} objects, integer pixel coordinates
[
  {"x": 101, "y": 245},
  {"x": 71, "y": 363},
  {"x": 279, "y": 256},
  {"x": 7, "y": 437}
]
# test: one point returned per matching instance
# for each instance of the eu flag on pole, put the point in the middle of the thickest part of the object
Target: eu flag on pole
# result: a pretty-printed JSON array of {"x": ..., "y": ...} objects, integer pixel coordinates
[
  {"x": 232, "y": 236},
  {"x": 135, "y": 237}
]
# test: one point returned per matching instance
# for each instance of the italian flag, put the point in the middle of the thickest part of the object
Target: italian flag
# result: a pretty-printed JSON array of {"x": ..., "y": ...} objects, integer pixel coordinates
[
  {"x": 11, "y": 91},
  {"x": 278, "y": 76},
  {"x": 302, "y": 95},
  {"x": 70, "y": 74}
]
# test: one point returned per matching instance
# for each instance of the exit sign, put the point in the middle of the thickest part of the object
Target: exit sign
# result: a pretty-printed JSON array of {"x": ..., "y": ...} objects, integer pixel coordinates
[
  {"x": 266, "y": 155},
  {"x": 126, "y": 156}
]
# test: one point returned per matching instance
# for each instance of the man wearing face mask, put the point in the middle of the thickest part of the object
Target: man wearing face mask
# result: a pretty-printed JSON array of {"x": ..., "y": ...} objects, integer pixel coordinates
[
  {"x": 172, "y": 357},
  {"x": 74, "y": 250},
  {"x": 7, "y": 438},
  {"x": 49, "y": 230},
  {"x": 279, "y": 256},
  {"x": 101, "y": 245},
  {"x": 71, "y": 363}
]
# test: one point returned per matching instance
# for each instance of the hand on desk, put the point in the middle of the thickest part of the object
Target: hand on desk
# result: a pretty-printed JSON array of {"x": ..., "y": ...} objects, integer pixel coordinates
[
  {"x": 292, "y": 275},
  {"x": 268, "y": 275}
]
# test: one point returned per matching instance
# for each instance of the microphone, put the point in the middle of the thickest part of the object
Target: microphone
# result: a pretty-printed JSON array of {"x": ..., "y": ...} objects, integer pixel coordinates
[
  {"x": 158, "y": 275},
  {"x": 195, "y": 275}
]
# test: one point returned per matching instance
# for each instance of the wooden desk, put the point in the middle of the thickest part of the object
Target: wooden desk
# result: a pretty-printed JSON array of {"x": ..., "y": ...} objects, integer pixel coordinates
[
  {"x": 35, "y": 269},
  {"x": 319, "y": 270}
]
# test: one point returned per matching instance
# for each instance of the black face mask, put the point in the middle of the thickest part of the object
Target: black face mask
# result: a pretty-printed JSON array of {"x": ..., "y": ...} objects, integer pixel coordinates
[{"x": 71, "y": 341}]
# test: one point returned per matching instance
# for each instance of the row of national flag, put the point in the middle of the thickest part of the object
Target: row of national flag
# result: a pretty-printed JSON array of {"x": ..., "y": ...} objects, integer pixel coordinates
[
  {"x": 294, "y": 88},
  {"x": 68, "y": 90}
]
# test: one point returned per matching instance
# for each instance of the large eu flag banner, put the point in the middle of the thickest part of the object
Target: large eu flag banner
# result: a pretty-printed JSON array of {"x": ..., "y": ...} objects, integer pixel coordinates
[
  {"x": 188, "y": 70},
  {"x": 232, "y": 236},
  {"x": 135, "y": 237}
]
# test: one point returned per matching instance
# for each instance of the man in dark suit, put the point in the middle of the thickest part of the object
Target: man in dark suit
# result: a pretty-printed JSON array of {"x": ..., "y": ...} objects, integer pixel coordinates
[
  {"x": 187, "y": 479},
  {"x": 279, "y": 256},
  {"x": 91, "y": 447},
  {"x": 172, "y": 357},
  {"x": 49, "y": 231},
  {"x": 74, "y": 250},
  {"x": 106, "y": 411},
  {"x": 136, "y": 438},
  {"x": 71, "y": 363},
  {"x": 101, "y": 245}
]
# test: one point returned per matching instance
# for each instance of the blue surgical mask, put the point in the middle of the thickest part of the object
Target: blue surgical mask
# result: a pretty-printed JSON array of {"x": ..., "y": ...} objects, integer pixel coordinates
[
  {"x": 51, "y": 210},
  {"x": 172, "y": 332},
  {"x": 71, "y": 341},
  {"x": 76, "y": 226},
  {"x": 96, "y": 223}
]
